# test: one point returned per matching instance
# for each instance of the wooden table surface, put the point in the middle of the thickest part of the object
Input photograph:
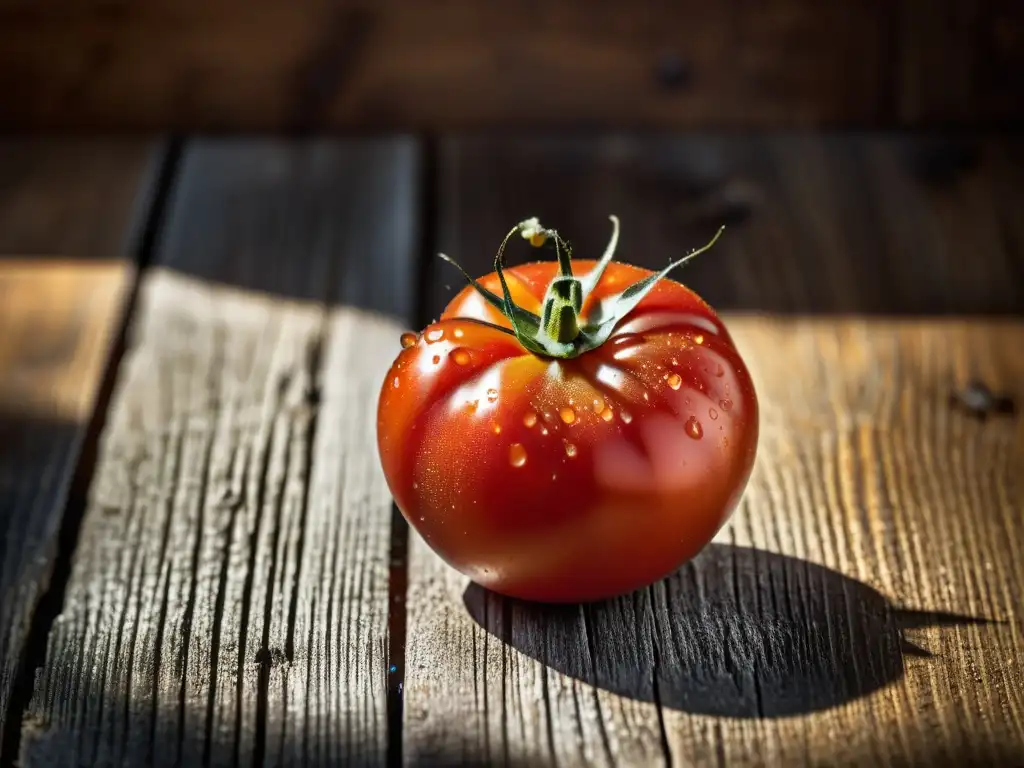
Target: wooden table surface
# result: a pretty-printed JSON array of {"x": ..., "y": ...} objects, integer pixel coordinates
[{"x": 201, "y": 563}]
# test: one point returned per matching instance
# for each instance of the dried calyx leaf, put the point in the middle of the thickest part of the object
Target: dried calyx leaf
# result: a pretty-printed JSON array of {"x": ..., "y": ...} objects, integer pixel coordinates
[{"x": 562, "y": 331}]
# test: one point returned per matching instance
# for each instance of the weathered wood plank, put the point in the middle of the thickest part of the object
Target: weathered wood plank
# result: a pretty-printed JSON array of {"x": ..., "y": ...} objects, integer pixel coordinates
[
  {"x": 75, "y": 198},
  {"x": 388, "y": 64},
  {"x": 58, "y": 318},
  {"x": 325, "y": 220},
  {"x": 788, "y": 631},
  {"x": 876, "y": 516},
  {"x": 228, "y": 601},
  {"x": 814, "y": 223}
]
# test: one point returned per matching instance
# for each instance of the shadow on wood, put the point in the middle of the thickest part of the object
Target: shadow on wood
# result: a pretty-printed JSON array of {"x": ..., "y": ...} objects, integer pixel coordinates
[
  {"x": 327, "y": 220},
  {"x": 35, "y": 458},
  {"x": 815, "y": 224},
  {"x": 46, "y": 743},
  {"x": 737, "y": 632}
]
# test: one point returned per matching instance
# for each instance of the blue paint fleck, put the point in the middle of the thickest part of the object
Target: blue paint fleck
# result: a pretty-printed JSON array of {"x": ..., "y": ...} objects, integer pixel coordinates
[{"x": 393, "y": 668}]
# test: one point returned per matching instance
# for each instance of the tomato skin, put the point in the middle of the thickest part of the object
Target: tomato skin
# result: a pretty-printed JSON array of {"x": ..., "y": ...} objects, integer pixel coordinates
[{"x": 569, "y": 480}]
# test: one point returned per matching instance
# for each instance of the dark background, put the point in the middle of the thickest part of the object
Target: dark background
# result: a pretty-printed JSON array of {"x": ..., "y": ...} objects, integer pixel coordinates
[{"x": 444, "y": 65}]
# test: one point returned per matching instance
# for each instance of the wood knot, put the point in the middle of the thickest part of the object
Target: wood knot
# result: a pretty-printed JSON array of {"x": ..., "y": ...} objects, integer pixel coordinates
[
  {"x": 979, "y": 401},
  {"x": 943, "y": 162},
  {"x": 672, "y": 72},
  {"x": 270, "y": 657},
  {"x": 311, "y": 395},
  {"x": 730, "y": 203}
]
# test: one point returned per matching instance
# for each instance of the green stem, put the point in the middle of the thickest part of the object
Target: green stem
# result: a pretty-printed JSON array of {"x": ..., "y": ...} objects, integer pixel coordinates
[
  {"x": 564, "y": 254},
  {"x": 560, "y": 332},
  {"x": 561, "y": 318},
  {"x": 498, "y": 268}
]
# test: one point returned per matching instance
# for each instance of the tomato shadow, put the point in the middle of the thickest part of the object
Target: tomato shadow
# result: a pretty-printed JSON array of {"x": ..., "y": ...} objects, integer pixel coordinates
[{"x": 737, "y": 632}]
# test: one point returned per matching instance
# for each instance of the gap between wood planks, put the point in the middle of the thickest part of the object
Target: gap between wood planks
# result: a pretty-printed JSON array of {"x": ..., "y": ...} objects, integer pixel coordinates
[
  {"x": 157, "y": 207},
  {"x": 398, "y": 556}
]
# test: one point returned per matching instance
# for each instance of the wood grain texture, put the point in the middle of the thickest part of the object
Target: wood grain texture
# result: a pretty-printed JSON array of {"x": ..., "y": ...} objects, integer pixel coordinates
[
  {"x": 814, "y": 223},
  {"x": 84, "y": 198},
  {"x": 836, "y": 620},
  {"x": 228, "y": 599},
  {"x": 64, "y": 199},
  {"x": 58, "y": 321},
  {"x": 457, "y": 65},
  {"x": 879, "y": 524},
  {"x": 329, "y": 220}
]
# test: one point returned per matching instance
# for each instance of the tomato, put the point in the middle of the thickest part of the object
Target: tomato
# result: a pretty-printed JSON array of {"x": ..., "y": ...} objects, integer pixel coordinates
[{"x": 565, "y": 439}]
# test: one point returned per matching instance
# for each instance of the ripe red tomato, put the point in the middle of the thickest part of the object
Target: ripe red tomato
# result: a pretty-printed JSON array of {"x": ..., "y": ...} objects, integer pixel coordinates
[{"x": 568, "y": 439}]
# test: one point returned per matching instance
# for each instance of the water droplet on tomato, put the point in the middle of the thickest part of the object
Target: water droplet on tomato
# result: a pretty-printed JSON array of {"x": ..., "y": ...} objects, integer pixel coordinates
[
  {"x": 607, "y": 414},
  {"x": 497, "y": 429},
  {"x": 626, "y": 416},
  {"x": 726, "y": 404},
  {"x": 459, "y": 356},
  {"x": 698, "y": 339},
  {"x": 529, "y": 418},
  {"x": 674, "y": 361},
  {"x": 598, "y": 405},
  {"x": 472, "y": 405},
  {"x": 415, "y": 486},
  {"x": 458, "y": 333},
  {"x": 437, "y": 359},
  {"x": 396, "y": 382},
  {"x": 516, "y": 454},
  {"x": 408, "y": 340},
  {"x": 568, "y": 415},
  {"x": 674, "y": 380},
  {"x": 544, "y": 430},
  {"x": 492, "y": 395},
  {"x": 435, "y": 334},
  {"x": 694, "y": 429},
  {"x": 720, "y": 371},
  {"x": 712, "y": 413},
  {"x": 570, "y": 449}
]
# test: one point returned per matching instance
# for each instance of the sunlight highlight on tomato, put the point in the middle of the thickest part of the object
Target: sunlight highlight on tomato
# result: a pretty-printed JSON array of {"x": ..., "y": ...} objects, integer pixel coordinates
[{"x": 568, "y": 430}]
